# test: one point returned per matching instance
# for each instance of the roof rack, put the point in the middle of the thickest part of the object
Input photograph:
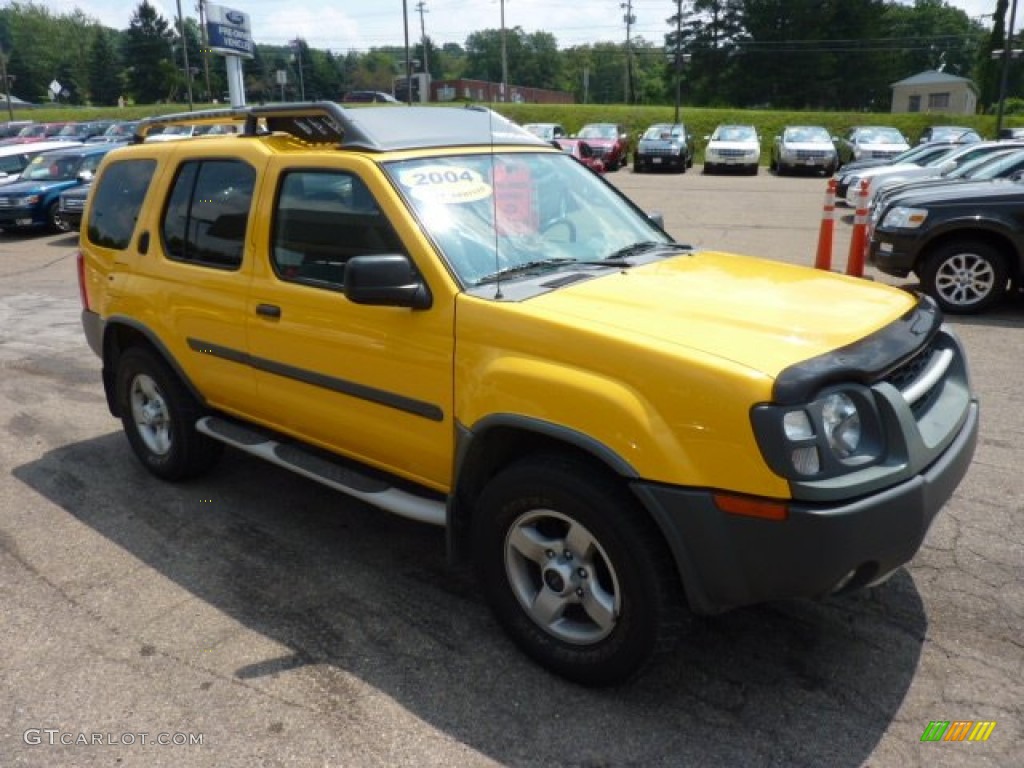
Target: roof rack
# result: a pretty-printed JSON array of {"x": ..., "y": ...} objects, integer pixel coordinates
[{"x": 373, "y": 129}]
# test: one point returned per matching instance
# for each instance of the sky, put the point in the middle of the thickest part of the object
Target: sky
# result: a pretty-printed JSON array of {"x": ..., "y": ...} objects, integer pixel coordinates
[{"x": 357, "y": 25}]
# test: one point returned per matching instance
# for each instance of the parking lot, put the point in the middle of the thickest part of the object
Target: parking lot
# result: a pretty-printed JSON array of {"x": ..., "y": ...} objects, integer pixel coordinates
[{"x": 253, "y": 618}]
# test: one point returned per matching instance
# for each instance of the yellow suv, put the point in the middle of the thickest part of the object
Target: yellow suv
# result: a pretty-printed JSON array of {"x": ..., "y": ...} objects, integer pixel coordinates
[{"x": 438, "y": 313}]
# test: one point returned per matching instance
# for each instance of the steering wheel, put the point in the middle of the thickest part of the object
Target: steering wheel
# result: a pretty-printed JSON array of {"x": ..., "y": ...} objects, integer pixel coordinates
[{"x": 560, "y": 221}]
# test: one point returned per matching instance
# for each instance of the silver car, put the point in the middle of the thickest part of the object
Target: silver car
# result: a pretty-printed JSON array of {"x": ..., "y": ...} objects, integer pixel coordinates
[{"x": 804, "y": 147}]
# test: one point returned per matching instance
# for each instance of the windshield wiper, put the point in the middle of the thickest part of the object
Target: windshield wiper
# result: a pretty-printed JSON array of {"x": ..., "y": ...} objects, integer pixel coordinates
[
  {"x": 644, "y": 246},
  {"x": 529, "y": 266},
  {"x": 526, "y": 266}
]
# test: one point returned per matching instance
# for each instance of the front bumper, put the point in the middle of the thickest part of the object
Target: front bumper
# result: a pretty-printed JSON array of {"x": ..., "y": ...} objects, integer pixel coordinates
[
  {"x": 727, "y": 561},
  {"x": 892, "y": 254},
  {"x": 20, "y": 217}
]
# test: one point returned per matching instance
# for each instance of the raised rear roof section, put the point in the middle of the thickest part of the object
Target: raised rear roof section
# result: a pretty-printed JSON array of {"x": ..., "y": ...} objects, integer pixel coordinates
[{"x": 368, "y": 129}]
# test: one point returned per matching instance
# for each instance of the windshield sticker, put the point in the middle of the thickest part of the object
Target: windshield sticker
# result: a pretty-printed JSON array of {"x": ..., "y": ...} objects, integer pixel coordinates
[
  {"x": 445, "y": 184},
  {"x": 515, "y": 204}
]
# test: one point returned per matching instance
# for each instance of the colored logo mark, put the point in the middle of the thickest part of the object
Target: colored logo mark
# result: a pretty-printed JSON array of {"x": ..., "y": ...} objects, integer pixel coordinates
[{"x": 958, "y": 730}]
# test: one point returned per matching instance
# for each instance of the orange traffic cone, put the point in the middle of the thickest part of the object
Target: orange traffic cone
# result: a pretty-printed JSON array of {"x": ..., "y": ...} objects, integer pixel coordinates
[
  {"x": 823, "y": 259},
  {"x": 858, "y": 239}
]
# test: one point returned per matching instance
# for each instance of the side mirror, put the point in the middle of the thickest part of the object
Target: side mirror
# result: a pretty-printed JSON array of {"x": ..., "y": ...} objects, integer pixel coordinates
[
  {"x": 385, "y": 279},
  {"x": 657, "y": 217}
]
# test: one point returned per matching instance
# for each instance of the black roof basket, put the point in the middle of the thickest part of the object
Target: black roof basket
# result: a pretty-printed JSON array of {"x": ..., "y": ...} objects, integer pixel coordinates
[{"x": 374, "y": 129}]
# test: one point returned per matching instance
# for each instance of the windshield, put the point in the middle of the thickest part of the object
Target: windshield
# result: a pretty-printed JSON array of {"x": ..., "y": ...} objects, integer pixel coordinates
[
  {"x": 991, "y": 166},
  {"x": 489, "y": 213},
  {"x": 880, "y": 136},
  {"x": 811, "y": 134},
  {"x": 599, "y": 131},
  {"x": 44, "y": 168},
  {"x": 665, "y": 131},
  {"x": 735, "y": 133}
]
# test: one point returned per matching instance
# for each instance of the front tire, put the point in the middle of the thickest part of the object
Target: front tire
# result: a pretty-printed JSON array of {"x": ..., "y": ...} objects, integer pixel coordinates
[
  {"x": 574, "y": 571},
  {"x": 965, "y": 277},
  {"x": 159, "y": 416},
  {"x": 54, "y": 220}
]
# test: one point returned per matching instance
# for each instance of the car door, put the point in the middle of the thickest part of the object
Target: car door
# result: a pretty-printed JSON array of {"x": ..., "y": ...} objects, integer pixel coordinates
[{"x": 370, "y": 382}]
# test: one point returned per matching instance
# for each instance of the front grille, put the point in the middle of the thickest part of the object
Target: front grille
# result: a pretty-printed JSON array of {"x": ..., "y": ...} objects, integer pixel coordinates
[
  {"x": 6, "y": 202},
  {"x": 810, "y": 154},
  {"x": 880, "y": 154},
  {"x": 659, "y": 151},
  {"x": 907, "y": 374},
  {"x": 732, "y": 152}
]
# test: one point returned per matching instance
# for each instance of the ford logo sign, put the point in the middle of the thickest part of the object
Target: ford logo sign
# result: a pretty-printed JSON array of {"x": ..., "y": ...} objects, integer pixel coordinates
[{"x": 235, "y": 17}]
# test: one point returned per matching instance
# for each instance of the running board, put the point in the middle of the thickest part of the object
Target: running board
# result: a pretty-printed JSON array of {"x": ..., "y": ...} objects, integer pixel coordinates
[{"x": 297, "y": 459}]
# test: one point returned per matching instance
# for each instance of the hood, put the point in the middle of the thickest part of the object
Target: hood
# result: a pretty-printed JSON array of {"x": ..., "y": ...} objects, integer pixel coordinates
[
  {"x": 965, "y": 192},
  {"x": 721, "y": 144},
  {"x": 759, "y": 314}
]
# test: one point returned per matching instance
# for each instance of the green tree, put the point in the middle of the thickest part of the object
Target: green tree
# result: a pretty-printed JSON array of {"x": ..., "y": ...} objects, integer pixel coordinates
[
  {"x": 104, "y": 70},
  {"x": 147, "y": 50}
]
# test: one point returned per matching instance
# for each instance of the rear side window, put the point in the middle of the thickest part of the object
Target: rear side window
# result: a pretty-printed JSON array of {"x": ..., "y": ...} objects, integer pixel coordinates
[
  {"x": 116, "y": 202},
  {"x": 208, "y": 212}
]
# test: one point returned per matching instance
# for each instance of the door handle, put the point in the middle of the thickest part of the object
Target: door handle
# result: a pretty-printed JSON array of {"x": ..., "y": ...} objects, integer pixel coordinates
[{"x": 268, "y": 310}]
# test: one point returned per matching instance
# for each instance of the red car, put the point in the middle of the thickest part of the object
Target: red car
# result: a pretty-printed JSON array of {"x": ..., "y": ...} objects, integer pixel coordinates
[
  {"x": 582, "y": 151},
  {"x": 610, "y": 142}
]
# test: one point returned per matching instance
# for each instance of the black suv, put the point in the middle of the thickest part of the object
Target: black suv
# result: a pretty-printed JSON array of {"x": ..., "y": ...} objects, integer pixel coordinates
[{"x": 964, "y": 241}]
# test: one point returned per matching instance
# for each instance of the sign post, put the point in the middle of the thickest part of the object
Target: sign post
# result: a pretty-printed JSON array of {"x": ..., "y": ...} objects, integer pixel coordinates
[{"x": 230, "y": 34}]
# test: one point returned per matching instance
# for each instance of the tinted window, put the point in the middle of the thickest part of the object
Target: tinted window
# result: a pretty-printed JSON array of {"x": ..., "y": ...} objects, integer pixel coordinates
[
  {"x": 208, "y": 213},
  {"x": 321, "y": 220},
  {"x": 117, "y": 201}
]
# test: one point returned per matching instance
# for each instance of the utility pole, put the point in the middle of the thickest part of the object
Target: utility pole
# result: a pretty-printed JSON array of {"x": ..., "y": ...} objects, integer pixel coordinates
[
  {"x": 184, "y": 54},
  {"x": 422, "y": 8},
  {"x": 1007, "y": 53},
  {"x": 206, "y": 47},
  {"x": 7, "y": 83},
  {"x": 297, "y": 45},
  {"x": 630, "y": 19},
  {"x": 504, "y": 57},
  {"x": 679, "y": 65},
  {"x": 408, "y": 60}
]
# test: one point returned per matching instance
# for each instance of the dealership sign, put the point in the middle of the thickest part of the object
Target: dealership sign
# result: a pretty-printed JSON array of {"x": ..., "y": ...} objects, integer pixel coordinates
[{"x": 229, "y": 31}]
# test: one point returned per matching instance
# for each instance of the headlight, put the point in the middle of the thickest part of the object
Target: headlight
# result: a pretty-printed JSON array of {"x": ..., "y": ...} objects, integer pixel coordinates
[
  {"x": 905, "y": 218},
  {"x": 26, "y": 201},
  {"x": 841, "y": 421},
  {"x": 837, "y": 433}
]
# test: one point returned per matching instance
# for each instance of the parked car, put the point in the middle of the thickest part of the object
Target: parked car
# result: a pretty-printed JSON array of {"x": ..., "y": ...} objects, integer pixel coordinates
[
  {"x": 85, "y": 130},
  {"x": 15, "y": 157},
  {"x": 547, "y": 131},
  {"x": 733, "y": 147},
  {"x": 953, "y": 158},
  {"x": 9, "y": 128},
  {"x": 34, "y": 132},
  {"x": 958, "y": 133},
  {"x": 609, "y": 140},
  {"x": 582, "y": 151},
  {"x": 870, "y": 142},
  {"x": 965, "y": 242},
  {"x": 33, "y": 200},
  {"x": 664, "y": 145},
  {"x": 119, "y": 132},
  {"x": 918, "y": 155},
  {"x": 804, "y": 148},
  {"x": 72, "y": 206},
  {"x": 1007, "y": 164},
  {"x": 478, "y": 333}
]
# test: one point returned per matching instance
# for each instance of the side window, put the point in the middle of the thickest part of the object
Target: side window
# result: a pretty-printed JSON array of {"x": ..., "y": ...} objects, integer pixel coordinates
[
  {"x": 208, "y": 212},
  {"x": 116, "y": 202},
  {"x": 321, "y": 220}
]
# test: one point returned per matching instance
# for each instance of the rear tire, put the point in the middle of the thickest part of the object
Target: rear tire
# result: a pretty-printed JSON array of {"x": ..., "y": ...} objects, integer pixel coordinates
[
  {"x": 965, "y": 276},
  {"x": 159, "y": 418},
  {"x": 575, "y": 571}
]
